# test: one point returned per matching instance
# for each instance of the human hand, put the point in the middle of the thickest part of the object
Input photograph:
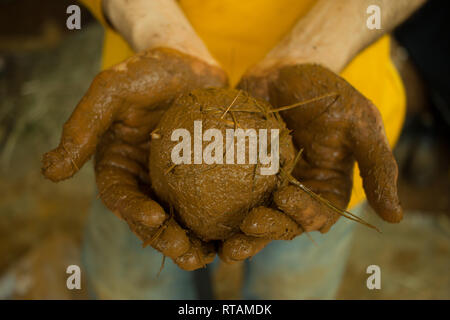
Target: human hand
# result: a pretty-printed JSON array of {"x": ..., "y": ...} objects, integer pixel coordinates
[
  {"x": 115, "y": 119},
  {"x": 334, "y": 125}
]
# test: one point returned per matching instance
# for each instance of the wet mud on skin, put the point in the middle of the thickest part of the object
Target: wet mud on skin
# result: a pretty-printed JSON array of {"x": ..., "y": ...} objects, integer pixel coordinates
[
  {"x": 334, "y": 132},
  {"x": 413, "y": 255},
  {"x": 114, "y": 120},
  {"x": 191, "y": 212}
]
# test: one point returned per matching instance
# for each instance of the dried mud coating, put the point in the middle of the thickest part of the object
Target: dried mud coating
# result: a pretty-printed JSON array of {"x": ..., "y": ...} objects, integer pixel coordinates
[
  {"x": 333, "y": 132},
  {"x": 212, "y": 200},
  {"x": 115, "y": 119}
]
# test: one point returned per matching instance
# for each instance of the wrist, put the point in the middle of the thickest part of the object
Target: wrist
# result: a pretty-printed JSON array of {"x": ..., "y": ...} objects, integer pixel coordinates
[
  {"x": 331, "y": 40},
  {"x": 332, "y": 54},
  {"x": 151, "y": 24},
  {"x": 169, "y": 36}
]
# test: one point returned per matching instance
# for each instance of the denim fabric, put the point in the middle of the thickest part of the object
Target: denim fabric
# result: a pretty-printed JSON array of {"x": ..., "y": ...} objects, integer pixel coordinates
[{"x": 119, "y": 268}]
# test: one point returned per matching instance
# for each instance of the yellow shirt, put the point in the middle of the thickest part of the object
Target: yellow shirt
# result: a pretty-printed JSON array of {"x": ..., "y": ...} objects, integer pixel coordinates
[{"x": 239, "y": 33}]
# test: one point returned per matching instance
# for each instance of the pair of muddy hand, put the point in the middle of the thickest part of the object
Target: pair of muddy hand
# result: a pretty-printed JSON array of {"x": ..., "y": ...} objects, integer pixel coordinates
[{"x": 123, "y": 105}]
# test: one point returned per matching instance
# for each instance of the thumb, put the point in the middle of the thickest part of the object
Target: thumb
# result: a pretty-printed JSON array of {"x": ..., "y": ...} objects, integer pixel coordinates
[
  {"x": 377, "y": 164},
  {"x": 90, "y": 119}
]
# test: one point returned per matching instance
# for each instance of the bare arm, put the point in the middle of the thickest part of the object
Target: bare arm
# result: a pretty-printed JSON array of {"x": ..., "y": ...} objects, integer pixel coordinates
[
  {"x": 147, "y": 24},
  {"x": 121, "y": 108},
  {"x": 333, "y": 32},
  {"x": 333, "y": 132}
]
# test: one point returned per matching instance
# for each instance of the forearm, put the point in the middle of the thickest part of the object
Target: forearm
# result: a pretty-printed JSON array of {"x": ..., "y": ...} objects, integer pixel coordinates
[
  {"x": 147, "y": 24},
  {"x": 333, "y": 32}
]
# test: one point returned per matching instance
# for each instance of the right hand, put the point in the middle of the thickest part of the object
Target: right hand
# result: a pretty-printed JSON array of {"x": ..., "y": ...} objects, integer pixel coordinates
[{"x": 115, "y": 119}]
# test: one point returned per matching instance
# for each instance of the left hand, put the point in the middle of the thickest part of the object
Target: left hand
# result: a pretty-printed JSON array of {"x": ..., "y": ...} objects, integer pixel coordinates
[
  {"x": 114, "y": 120},
  {"x": 333, "y": 131}
]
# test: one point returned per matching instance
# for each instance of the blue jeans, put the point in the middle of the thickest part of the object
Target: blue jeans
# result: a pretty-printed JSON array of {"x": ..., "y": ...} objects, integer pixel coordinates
[{"x": 119, "y": 268}]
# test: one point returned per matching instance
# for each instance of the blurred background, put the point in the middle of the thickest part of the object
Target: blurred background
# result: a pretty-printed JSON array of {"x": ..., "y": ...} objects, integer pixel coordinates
[{"x": 46, "y": 68}]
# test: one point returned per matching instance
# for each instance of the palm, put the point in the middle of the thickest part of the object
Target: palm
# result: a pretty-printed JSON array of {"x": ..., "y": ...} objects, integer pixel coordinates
[
  {"x": 115, "y": 119},
  {"x": 335, "y": 126}
]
